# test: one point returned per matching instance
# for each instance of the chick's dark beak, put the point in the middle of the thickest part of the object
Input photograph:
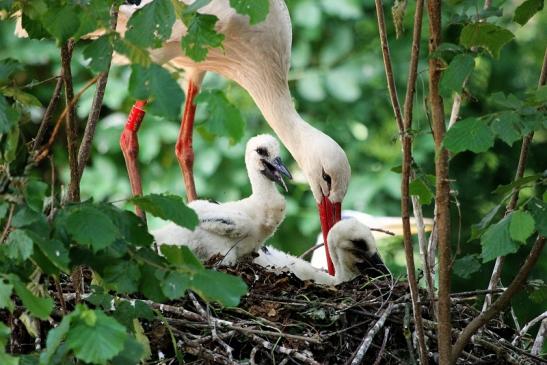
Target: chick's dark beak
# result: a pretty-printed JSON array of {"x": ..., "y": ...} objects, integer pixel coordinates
[{"x": 275, "y": 170}]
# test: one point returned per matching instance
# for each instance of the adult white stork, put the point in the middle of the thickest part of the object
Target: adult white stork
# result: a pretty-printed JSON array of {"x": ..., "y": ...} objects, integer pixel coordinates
[
  {"x": 235, "y": 229},
  {"x": 257, "y": 58}
]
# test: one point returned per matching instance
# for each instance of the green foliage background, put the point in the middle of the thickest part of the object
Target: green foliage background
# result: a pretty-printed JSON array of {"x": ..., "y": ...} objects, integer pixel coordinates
[{"x": 338, "y": 84}]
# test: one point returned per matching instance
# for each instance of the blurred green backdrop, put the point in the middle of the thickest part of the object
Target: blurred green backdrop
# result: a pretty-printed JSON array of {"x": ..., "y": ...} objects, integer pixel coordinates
[{"x": 339, "y": 86}]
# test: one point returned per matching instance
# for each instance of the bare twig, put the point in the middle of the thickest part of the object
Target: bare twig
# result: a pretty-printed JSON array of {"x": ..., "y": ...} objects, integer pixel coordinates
[
  {"x": 383, "y": 347},
  {"x": 540, "y": 338},
  {"x": 93, "y": 118},
  {"x": 365, "y": 344},
  {"x": 504, "y": 299},
  {"x": 48, "y": 115},
  {"x": 6, "y": 229},
  {"x": 529, "y": 325},
  {"x": 523, "y": 157},
  {"x": 404, "y": 128},
  {"x": 284, "y": 350},
  {"x": 71, "y": 129}
]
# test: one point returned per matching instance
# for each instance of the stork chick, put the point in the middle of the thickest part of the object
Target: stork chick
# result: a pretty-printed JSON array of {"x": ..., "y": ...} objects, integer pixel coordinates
[
  {"x": 235, "y": 229},
  {"x": 353, "y": 251}
]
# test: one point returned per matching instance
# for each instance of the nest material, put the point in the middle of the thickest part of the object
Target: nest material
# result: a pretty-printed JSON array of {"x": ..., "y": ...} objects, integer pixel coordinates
[{"x": 284, "y": 320}]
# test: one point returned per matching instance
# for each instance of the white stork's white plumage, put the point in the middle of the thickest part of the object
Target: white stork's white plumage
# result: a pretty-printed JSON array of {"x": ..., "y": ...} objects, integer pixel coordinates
[{"x": 236, "y": 229}]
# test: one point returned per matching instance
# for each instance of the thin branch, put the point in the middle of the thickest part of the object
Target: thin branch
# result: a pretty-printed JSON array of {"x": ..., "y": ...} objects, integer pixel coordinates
[
  {"x": 93, "y": 118},
  {"x": 5, "y": 231},
  {"x": 404, "y": 128},
  {"x": 71, "y": 129},
  {"x": 284, "y": 350},
  {"x": 365, "y": 344},
  {"x": 48, "y": 115},
  {"x": 516, "y": 285},
  {"x": 383, "y": 347},
  {"x": 523, "y": 157},
  {"x": 540, "y": 338},
  {"x": 529, "y": 325}
]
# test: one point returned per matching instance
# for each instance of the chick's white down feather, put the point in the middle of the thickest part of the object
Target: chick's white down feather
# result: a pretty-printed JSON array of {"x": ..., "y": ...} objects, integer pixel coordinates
[{"x": 235, "y": 229}]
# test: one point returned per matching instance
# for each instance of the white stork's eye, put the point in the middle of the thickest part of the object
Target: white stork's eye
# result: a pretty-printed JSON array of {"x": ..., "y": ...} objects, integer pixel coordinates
[{"x": 327, "y": 178}]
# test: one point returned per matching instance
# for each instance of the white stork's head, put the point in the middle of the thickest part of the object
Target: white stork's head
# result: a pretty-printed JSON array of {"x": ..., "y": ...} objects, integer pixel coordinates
[
  {"x": 353, "y": 251},
  {"x": 262, "y": 157}
]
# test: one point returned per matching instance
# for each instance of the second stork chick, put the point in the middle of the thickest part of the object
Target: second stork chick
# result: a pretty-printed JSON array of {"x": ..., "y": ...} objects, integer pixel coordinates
[{"x": 235, "y": 229}]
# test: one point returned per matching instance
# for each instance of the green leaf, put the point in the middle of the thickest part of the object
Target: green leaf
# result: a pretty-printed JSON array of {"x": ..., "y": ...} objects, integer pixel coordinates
[
  {"x": 151, "y": 25},
  {"x": 5, "y": 293},
  {"x": 257, "y": 10},
  {"x": 445, "y": 50},
  {"x": 465, "y": 266},
  {"x": 155, "y": 84},
  {"x": 174, "y": 284},
  {"x": 123, "y": 276},
  {"x": 538, "y": 209},
  {"x": 506, "y": 101},
  {"x": 6, "y": 359},
  {"x": 56, "y": 336},
  {"x": 168, "y": 207},
  {"x": 8, "y": 66},
  {"x": 8, "y": 116},
  {"x": 132, "y": 353},
  {"x": 469, "y": 135},
  {"x": 527, "y": 10},
  {"x": 38, "y": 307},
  {"x": 181, "y": 256},
  {"x": 96, "y": 341},
  {"x": 91, "y": 227},
  {"x": 34, "y": 192},
  {"x": 522, "y": 226},
  {"x": 20, "y": 96},
  {"x": 55, "y": 251},
  {"x": 496, "y": 241},
  {"x": 4, "y": 335},
  {"x": 18, "y": 246},
  {"x": 419, "y": 188},
  {"x": 455, "y": 75},
  {"x": 218, "y": 286},
  {"x": 506, "y": 126},
  {"x": 12, "y": 142},
  {"x": 62, "y": 22},
  {"x": 505, "y": 189},
  {"x": 486, "y": 35},
  {"x": 135, "y": 54},
  {"x": 224, "y": 119},
  {"x": 150, "y": 286},
  {"x": 200, "y": 36},
  {"x": 99, "y": 52}
]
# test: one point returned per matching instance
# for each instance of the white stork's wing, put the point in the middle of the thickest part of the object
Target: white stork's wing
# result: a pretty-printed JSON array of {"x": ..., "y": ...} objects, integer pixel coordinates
[{"x": 221, "y": 220}]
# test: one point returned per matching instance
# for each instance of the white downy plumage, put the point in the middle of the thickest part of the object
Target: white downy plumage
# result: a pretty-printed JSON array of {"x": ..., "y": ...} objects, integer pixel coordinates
[{"x": 235, "y": 229}]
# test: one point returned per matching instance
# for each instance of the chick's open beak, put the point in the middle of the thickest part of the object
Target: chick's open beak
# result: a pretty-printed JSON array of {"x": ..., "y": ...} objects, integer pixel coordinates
[{"x": 275, "y": 170}]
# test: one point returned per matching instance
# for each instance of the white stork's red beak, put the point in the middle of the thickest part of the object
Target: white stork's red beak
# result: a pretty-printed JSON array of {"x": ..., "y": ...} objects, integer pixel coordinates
[{"x": 329, "y": 213}]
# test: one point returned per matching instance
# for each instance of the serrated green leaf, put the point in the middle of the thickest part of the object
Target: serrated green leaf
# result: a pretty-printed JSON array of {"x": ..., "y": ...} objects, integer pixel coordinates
[
  {"x": 122, "y": 276},
  {"x": 91, "y": 227},
  {"x": 56, "y": 252},
  {"x": 527, "y": 10},
  {"x": 150, "y": 285},
  {"x": 218, "y": 286},
  {"x": 486, "y": 35},
  {"x": 465, "y": 266},
  {"x": 174, "y": 284},
  {"x": 496, "y": 241},
  {"x": 96, "y": 341},
  {"x": 505, "y": 189},
  {"x": 257, "y": 10},
  {"x": 56, "y": 336},
  {"x": 8, "y": 116},
  {"x": 4, "y": 335},
  {"x": 181, "y": 256},
  {"x": 200, "y": 36},
  {"x": 19, "y": 246},
  {"x": 34, "y": 192},
  {"x": 12, "y": 142},
  {"x": 444, "y": 50},
  {"x": 506, "y": 126},
  {"x": 132, "y": 353},
  {"x": 419, "y": 188},
  {"x": 223, "y": 118},
  {"x": 538, "y": 209},
  {"x": 151, "y": 25},
  {"x": 99, "y": 52},
  {"x": 61, "y": 21},
  {"x": 20, "y": 96},
  {"x": 5, "y": 293},
  {"x": 195, "y": 6},
  {"x": 522, "y": 226},
  {"x": 506, "y": 101},
  {"x": 469, "y": 135},
  {"x": 6, "y": 359},
  {"x": 38, "y": 307},
  {"x": 132, "y": 229},
  {"x": 34, "y": 28},
  {"x": 168, "y": 207},
  {"x": 4, "y": 206},
  {"x": 155, "y": 84},
  {"x": 7, "y": 67},
  {"x": 135, "y": 54},
  {"x": 455, "y": 75}
]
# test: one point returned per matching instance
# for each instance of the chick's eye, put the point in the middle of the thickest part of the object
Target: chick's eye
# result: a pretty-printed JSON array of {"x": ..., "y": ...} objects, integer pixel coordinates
[{"x": 262, "y": 151}]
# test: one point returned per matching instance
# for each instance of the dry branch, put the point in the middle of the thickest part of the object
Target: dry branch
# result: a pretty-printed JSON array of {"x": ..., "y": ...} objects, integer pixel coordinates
[
  {"x": 540, "y": 338},
  {"x": 48, "y": 115},
  {"x": 363, "y": 347}
]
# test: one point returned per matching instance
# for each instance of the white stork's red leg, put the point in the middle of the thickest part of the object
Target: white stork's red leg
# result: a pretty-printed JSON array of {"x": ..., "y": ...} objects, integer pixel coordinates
[
  {"x": 329, "y": 214},
  {"x": 183, "y": 149},
  {"x": 129, "y": 144}
]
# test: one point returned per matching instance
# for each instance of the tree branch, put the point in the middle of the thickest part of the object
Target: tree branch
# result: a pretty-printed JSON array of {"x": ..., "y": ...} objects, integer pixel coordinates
[
  {"x": 93, "y": 118},
  {"x": 48, "y": 115},
  {"x": 523, "y": 157},
  {"x": 504, "y": 299},
  {"x": 71, "y": 130},
  {"x": 442, "y": 193},
  {"x": 404, "y": 128}
]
